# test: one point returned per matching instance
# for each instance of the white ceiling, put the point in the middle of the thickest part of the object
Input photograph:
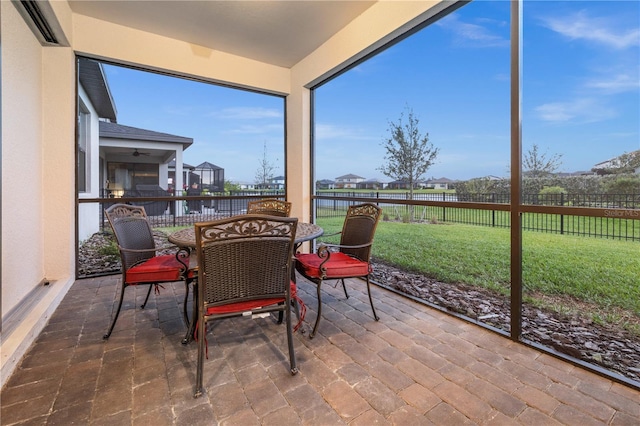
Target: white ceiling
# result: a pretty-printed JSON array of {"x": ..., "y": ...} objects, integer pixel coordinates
[{"x": 275, "y": 32}]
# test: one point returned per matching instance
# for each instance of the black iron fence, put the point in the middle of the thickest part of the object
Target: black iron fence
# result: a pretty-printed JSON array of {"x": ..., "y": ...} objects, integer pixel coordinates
[
  {"x": 166, "y": 210},
  {"x": 183, "y": 210},
  {"x": 615, "y": 227}
]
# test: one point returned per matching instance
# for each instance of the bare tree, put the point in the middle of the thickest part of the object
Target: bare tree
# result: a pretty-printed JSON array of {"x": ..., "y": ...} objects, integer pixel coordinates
[
  {"x": 264, "y": 174},
  {"x": 538, "y": 164},
  {"x": 409, "y": 154}
]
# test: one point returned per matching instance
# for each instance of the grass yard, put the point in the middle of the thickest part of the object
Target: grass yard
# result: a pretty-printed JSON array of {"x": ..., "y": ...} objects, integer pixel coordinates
[{"x": 597, "y": 271}]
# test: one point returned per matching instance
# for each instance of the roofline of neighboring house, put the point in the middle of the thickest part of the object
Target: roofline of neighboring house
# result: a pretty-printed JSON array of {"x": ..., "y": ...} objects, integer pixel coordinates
[
  {"x": 172, "y": 165},
  {"x": 119, "y": 131},
  {"x": 94, "y": 82},
  {"x": 349, "y": 176}
]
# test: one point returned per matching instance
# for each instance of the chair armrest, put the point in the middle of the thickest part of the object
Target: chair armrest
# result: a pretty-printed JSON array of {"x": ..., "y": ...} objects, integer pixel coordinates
[
  {"x": 327, "y": 247},
  {"x": 331, "y": 235},
  {"x": 137, "y": 251}
]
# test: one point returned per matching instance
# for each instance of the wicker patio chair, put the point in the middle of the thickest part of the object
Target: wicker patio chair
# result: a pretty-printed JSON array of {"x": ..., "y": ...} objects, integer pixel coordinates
[
  {"x": 244, "y": 270},
  {"x": 269, "y": 206},
  {"x": 349, "y": 259},
  {"x": 140, "y": 265}
]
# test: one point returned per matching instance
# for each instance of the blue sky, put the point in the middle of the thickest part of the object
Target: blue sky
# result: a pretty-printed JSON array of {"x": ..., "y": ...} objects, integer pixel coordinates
[{"x": 580, "y": 97}]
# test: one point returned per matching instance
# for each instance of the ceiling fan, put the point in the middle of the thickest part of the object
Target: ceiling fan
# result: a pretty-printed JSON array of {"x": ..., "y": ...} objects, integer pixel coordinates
[{"x": 136, "y": 153}]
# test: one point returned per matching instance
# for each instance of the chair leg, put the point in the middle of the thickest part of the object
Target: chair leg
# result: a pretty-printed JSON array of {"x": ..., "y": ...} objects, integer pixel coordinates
[
  {"x": 344, "y": 287},
  {"x": 280, "y": 316},
  {"x": 315, "y": 327},
  {"x": 146, "y": 299},
  {"x": 292, "y": 354},
  {"x": 371, "y": 300},
  {"x": 185, "y": 315},
  {"x": 191, "y": 329},
  {"x": 296, "y": 308},
  {"x": 201, "y": 349},
  {"x": 115, "y": 318}
]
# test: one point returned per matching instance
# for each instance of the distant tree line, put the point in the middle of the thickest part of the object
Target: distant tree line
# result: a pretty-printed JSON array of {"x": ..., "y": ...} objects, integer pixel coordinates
[{"x": 616, "y": 184}]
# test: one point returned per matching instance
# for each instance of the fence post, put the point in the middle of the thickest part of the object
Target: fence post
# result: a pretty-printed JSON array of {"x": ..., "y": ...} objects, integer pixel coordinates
[
  {"x": 493, "y": 212},
  {"x": 562, "y": 216}
]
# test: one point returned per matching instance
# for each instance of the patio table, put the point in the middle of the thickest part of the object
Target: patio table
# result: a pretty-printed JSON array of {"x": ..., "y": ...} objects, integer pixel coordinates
[{"x": 185, "y": 239}]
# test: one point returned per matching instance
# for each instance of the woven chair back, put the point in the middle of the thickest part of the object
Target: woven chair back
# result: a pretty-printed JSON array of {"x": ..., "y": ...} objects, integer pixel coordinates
[
  {"x": 359, "y": 228},
  {"x": 133, "y": 232},
  {"x": 269, "y": 206},
  {"x": 244, "y": 258}
]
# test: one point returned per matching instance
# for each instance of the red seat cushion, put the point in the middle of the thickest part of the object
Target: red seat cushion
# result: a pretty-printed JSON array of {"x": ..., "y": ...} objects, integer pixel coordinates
[
  {"x": 243, "y": 306},
  {"x": 339, "y": 265},
  {"x": 249, "y": 305},
  {"x": 157, "y": 269}
]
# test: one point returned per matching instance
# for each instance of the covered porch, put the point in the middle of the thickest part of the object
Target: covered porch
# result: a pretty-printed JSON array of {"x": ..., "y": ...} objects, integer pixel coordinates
[{"x": 415, "y": 366}]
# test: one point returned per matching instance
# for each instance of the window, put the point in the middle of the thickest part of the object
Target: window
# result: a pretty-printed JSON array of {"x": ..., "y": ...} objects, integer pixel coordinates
[{"x": 84, "y": 132}]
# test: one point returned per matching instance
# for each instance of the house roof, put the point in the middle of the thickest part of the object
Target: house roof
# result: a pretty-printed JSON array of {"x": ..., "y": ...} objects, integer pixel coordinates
[
  {"x": 207, "y": 166},
  {"x": 119, "y": 131},
  {"x": 349, "y": 176},
  {"x": 281, "y": 33},
  {"x": 440, "y": 180},
  {"x": 185, "y": 166},
  {"x": 92, "y": 78}
]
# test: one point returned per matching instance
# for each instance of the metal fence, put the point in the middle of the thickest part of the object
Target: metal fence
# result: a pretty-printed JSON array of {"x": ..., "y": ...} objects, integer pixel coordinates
[
  {"x": 191, "y": 209},
  {"x": 178, "y": 211},
  {"x": 602, "y": 227}
]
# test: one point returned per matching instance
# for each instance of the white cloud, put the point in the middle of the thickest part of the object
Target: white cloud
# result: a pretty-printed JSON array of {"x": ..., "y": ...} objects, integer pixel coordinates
[
  {"x": 256, "y": 129},
  {"x": 472, "y": 35},
  {"x": 584, "y": 110},
  {"x": 248, "y": 113},
  {"x": 579, "y": 26},
  {"x": 615, "y": 84},
  {"x": 330, "y": 131}
]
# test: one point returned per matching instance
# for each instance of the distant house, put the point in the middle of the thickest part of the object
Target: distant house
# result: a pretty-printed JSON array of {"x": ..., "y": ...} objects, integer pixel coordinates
[
  {"x": 114, "y": 158},
  {"x": 135, "y": 156},
  {"x": 246, "y": 185},
  {"x": 325, "y": 184},
  {"x": 442, "y": 183},
  {"x": 277, "y": 183},
  {"x": 398, "y": 184},
  {"x": 349, "y": 181},
  {"x": 370, "y": 184},
  {"x": 622, "y": 161},
  {"x": 404, "y": 184}
]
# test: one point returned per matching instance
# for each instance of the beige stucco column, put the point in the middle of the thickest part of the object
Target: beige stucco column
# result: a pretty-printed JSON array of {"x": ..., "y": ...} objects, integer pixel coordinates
[
  {"x": 298, "y": 165},
  {"x": 58, "y": 166}
]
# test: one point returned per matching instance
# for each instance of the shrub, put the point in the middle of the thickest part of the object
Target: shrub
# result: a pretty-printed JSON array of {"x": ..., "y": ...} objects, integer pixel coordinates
[
  {"x": 110, "y": 250},
  {"x": 552, "y": 196}
]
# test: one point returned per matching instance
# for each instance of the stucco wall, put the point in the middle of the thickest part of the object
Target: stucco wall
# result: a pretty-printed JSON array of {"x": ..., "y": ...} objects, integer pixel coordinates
[
  {"x": 22, "y": 127},
  {"x": 38, "y": 189}
]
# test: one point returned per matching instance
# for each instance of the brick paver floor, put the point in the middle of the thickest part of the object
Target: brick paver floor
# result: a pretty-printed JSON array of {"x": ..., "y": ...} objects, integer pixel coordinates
[{"x": 416, "y": 366}]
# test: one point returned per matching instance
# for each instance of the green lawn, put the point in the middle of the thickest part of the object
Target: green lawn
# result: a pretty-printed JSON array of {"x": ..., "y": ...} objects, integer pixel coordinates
[{"x": 600, "y": 271}]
